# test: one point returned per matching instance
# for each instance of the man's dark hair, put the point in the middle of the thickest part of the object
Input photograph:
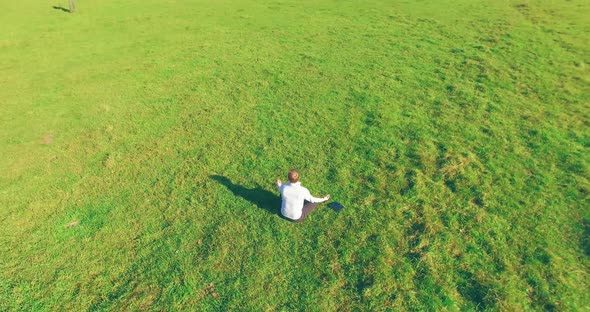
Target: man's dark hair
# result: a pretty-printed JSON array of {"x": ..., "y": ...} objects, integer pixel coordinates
[{"x": 293, "y": 175}]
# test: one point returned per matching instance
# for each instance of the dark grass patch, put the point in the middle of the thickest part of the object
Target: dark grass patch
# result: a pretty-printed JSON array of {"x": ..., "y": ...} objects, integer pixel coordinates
[
  {"x": 475, "y": 292},
  {"x": 585, "y": 237}
]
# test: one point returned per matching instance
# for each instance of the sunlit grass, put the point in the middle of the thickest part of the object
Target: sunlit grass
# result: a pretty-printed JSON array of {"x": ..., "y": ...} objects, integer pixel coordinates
[{"x": 140, "y": 141}]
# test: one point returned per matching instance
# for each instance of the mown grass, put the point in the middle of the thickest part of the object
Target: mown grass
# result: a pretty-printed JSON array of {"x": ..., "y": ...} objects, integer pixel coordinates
[{"x": 141, "y": 140}]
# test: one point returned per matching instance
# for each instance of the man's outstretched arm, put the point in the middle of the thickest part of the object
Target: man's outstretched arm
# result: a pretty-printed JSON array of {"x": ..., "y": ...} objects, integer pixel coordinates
[{"x": 312, "y": 199}]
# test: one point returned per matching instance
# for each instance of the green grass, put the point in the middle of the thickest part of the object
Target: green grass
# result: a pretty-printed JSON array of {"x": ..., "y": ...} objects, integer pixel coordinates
[{"x": 455, "y": 133}]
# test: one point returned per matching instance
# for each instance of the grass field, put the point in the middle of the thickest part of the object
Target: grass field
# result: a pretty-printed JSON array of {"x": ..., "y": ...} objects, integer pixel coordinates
[{"x": 140, "y": 141}]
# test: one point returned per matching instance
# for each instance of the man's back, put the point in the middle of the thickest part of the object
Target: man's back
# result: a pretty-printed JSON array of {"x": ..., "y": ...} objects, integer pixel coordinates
[{"x": 293, "y": 196}]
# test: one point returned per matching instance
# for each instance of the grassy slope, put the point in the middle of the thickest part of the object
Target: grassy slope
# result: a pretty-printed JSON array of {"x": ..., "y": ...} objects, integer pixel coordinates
[{"x": 454, "y": 132}]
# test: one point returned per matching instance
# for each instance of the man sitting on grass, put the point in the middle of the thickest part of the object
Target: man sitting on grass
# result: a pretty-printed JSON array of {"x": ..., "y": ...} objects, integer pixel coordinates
[{"x": 297, "y": 202}]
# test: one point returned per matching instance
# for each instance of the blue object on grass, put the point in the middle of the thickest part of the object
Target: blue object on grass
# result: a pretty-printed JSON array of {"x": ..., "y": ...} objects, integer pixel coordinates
[{"x": 336, "y": 206}]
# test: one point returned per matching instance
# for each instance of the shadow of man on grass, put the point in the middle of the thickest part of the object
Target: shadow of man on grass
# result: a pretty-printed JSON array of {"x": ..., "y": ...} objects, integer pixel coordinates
[
  {"x": 260, "y": 197},
  {"x": 62, "y": 9}
]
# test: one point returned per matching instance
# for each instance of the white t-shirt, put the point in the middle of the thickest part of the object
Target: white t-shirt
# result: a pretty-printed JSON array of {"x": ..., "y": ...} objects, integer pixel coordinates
[{"x": 293, "y": 195}]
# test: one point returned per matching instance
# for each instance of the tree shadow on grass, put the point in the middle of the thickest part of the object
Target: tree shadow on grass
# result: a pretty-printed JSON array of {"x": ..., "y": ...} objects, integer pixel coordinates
[
  {"x": 61, "y": 8},
  {"x": 258, "y": 196}
]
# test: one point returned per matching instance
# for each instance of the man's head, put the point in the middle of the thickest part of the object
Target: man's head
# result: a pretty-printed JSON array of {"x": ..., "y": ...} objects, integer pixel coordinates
[{"x": 293, "y": 176}]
